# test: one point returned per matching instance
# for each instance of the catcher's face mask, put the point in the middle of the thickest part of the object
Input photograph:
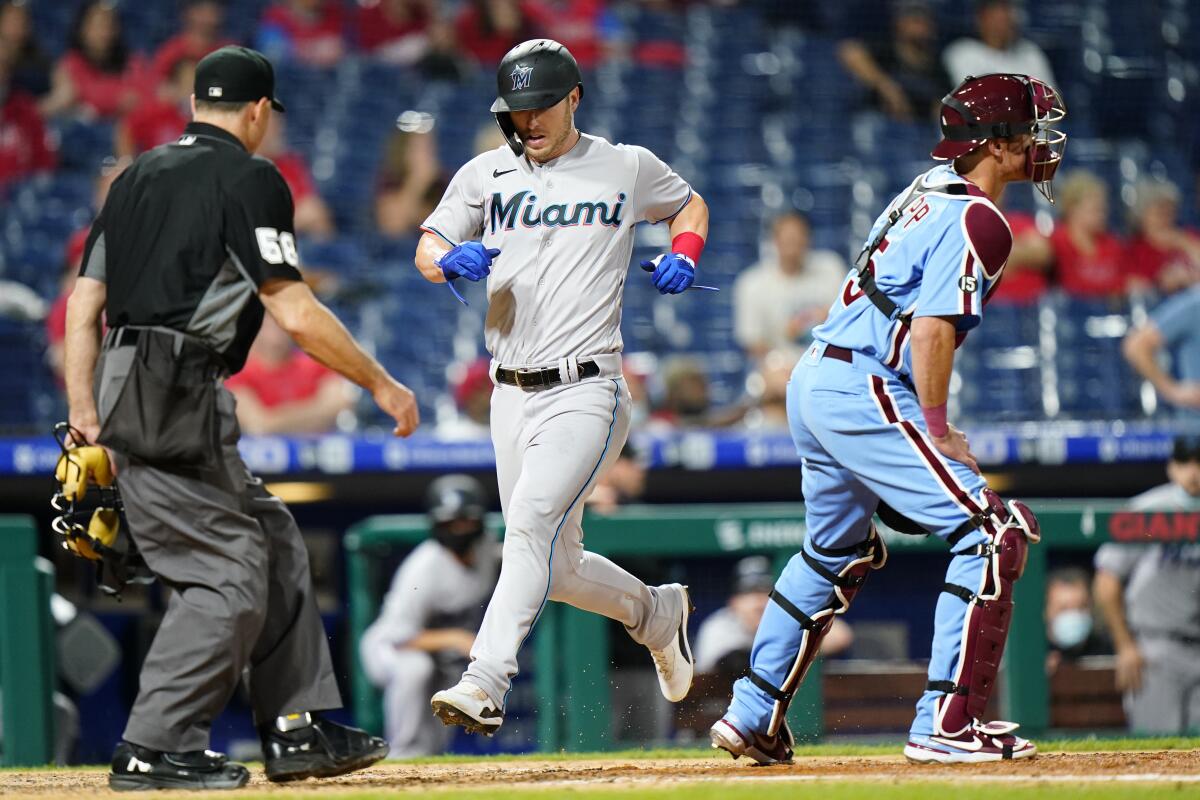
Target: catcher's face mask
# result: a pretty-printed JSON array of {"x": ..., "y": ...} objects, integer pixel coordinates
[{"x": 90, "y": 509}]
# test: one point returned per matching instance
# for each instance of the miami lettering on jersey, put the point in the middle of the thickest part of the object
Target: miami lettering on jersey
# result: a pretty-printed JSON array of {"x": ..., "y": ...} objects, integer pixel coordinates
[{"x": 506, "y": 212}]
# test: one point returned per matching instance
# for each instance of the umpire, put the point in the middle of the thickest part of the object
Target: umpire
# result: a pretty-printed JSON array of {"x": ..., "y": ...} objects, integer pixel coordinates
[{"x": 194, "y": 241}]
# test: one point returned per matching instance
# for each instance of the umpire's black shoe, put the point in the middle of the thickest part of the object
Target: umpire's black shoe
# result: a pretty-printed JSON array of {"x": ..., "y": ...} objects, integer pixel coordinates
[
  {"x": 301, "y": 746},
  {"x": 136, "y": 768}
]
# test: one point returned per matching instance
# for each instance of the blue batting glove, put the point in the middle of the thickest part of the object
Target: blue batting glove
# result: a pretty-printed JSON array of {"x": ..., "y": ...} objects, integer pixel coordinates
[
  {"x": 470, "y": 260},
  {"x": 673, "y": 272}
]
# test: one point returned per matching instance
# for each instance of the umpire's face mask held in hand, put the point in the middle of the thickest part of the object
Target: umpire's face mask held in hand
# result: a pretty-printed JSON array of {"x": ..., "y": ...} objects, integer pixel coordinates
[{"x": 547, "y": 133}]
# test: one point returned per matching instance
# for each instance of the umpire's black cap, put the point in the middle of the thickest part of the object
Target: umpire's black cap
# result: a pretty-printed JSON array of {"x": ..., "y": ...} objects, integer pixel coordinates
[{"x": 236, "y": 74}]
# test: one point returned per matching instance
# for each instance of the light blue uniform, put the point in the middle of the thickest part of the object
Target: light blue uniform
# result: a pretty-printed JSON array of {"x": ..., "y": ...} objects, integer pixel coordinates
[
  {"x": 1175, "y": 319},
  {"x": 859, "y": 428}
]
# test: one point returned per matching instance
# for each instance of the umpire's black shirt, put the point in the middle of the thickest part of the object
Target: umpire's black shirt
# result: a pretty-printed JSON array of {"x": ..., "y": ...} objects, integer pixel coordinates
[{"x": 188, "y": 234}]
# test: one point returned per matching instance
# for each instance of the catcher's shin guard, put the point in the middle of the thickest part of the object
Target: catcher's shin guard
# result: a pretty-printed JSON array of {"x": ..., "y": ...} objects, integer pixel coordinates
[
  {"x": 867, "y": 555},
  {"x": 1010, "y": 530}
]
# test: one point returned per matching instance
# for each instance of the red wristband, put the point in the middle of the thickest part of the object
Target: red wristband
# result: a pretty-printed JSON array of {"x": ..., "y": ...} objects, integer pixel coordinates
[
  {"x": 935, "y": 420},
  {"x": 689, "y": 244}
]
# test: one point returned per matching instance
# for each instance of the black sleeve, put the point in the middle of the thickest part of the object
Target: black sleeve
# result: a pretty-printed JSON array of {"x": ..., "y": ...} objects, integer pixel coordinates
[
  {"x": 95, "y": 252},
  {"x": 258, "y": 225}
]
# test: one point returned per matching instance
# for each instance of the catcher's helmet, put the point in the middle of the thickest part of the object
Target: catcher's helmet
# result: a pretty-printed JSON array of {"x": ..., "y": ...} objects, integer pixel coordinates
[
  {"x": 1001, "y": 106},
  {"x": 534, "y": 74},
  {"x": 454, "y": 497}
]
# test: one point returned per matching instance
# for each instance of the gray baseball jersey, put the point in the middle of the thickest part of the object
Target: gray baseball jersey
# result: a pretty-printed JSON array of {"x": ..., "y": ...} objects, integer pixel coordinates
[
  {"x": 1162, "y": 581},
  {"x": 565, "y": 234}
]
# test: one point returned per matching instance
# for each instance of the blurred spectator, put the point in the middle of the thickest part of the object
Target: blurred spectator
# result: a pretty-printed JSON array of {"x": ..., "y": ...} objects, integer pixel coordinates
[
  {"x": 1149, "y": 595},
  {"x": 199, "y": 35},
  {"x": 686, "y": 400},
  {"x": 313, "y": 217},
  {"x": 394, "y": 31},
  {"x": 1173, "y": 327},
  {"x": 997, "y": 48},
  {"x": 1070, "y": 628},
  {"x": 488, "y": 137},
  {"x": 768, "y": 386},
  {"x": 900, "y": 65},
  {"x": 411, "y": 180},
  {"x": 309, "y": 31},
  {"x": 473, "y": 399},
  {"x": 283, "y": 390},
  {"x": 1161, "y": 251},
  {"x": 56, "y": 319},
  {"x": 98, "y": 76},
  {"x": 25, "y": 147},
  {"x": 623, "y": 482},
  {"x": 428, "y": 619},
  {"x": 726, "y": 636},
  {"x": 487, "y": 29},
  {"x": 1026, "y": 273},
  {"x": 443, "y": 60},
  {"x": 581, "y": 26},
  {"x": 30, "y": 68},
  {"x": 779, "y": 300},
  {"x": 161, "y": 117},
  {"x": 1087, "y": 258}
]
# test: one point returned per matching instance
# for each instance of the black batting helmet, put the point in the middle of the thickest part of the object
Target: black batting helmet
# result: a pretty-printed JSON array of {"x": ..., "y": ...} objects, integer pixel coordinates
[
  {"x": 534, "y": 74},
  {"x": 454, "y": 497}
]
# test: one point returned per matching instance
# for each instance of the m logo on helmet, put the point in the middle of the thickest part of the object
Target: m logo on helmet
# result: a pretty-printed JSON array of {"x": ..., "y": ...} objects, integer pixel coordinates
[{"x": 520, "y": 76}]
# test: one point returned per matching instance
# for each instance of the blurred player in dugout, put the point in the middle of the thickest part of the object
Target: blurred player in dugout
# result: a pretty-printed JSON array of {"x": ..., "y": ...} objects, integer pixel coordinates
[
  {"x": 1149, "y": 595},
  {"x": 194, "y": 240},
  {"x": 424, "y": 633}
]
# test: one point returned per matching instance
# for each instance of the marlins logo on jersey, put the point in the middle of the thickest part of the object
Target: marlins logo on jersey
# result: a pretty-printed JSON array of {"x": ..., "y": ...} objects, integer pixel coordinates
[{"x": 520, "y": 76}]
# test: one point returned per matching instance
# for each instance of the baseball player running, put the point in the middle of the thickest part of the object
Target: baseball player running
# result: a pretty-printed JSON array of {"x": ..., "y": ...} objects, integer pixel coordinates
[
  {"x": 867, "y": 410},
  {"x": 548, "y": 219}
]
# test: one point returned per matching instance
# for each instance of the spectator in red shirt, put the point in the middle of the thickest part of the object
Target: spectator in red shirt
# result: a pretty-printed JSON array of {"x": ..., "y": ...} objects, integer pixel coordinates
[
  {"x": 473, "y": 398},
  {"x": 98, "y": 76},
  {"x": 312, "y": 215},
  {"x": 31, "y": 65},
  {"x": 309, "y": 31},
  {"x": 487, "y": 29},
  {"x": 282, "y": 390},
  {"x": 395, "y": 30},
  {"x": 411, "y": 180},
  {"x": 200, "y": 35},
  {"x": 56, "y": 319},
  {"x": 1162, "y": 252},
  {"x": 160, "y": 118},
  {"x": 24, "y": 146},
  {"x": 1026, "y": 272},
  {"x": 1088, "y": 259},
  {"x": 580, "y": 26}
]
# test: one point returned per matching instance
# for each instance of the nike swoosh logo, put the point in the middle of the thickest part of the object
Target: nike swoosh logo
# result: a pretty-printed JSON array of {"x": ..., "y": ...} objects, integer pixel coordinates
[
  {"x": 974, "y": 744},
  {"x": 497, "y": 173}
]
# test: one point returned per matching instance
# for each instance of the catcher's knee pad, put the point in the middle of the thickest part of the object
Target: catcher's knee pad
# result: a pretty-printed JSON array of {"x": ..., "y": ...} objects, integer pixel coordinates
[
  {"x": 1010, "y": 530},
  {"x": 867, "y": 555}
]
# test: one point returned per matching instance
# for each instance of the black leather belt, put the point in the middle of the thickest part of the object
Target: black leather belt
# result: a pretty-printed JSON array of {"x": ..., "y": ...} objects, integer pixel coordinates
[
  {"x": 542, "y": 378},
  {"x": 125, "y": 337},
  {"x": 840, "y": 353}
]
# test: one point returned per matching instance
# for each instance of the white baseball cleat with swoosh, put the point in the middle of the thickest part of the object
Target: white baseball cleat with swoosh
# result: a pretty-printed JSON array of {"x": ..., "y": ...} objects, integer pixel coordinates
[
  {"x": 991, "y": 741},
  {"x": 674, "y": 663}
]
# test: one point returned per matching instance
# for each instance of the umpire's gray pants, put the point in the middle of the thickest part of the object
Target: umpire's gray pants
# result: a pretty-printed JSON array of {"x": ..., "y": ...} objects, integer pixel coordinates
[
  {"x": 1169, "y": 700},
  {"x": 234, "y": 563}
]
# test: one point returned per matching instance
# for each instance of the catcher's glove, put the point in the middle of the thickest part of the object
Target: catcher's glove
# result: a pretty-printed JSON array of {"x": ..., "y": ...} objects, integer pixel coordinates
[{"x": 90, "y": 511}]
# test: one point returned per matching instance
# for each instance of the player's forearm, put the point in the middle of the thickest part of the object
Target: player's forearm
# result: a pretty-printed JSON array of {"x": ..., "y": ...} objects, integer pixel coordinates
[
  {"x": 1140, "y": 349},
  {"x": 932, "y": 359},
  {"x": 692, "y": 218},
  {"x": 1110, "y": 599},
  {"x": 429, "y": 250},
  {"x": 82, "y": 346}
]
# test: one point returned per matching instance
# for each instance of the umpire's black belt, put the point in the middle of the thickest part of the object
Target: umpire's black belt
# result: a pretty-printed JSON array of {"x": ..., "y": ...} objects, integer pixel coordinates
[{"x": 534, "y": 379}]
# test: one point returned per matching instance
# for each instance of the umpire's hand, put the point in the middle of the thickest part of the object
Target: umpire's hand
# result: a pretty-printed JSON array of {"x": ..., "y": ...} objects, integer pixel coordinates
[{"x": 397, "y": 401}]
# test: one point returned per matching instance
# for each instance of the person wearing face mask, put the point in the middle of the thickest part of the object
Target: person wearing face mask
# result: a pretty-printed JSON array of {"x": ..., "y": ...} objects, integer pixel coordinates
[
  {"x": 1069, "y": 624},
  {"x": 1149, "y": 594},
  {"x": 424, "y": 634}
]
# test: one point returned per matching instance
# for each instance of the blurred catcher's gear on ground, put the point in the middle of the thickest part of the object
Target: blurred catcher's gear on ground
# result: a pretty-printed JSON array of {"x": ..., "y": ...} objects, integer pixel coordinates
[{"x": 90, "y": 521}]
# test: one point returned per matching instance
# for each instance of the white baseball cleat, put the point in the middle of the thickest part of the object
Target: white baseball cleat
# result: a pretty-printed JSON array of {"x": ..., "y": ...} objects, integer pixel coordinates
[
  {"x": 674, "y": 663},
  {"x": 467, "y": 705},
  {"x": 728, "y": 736},
  {"x": 992, "y": 741}
]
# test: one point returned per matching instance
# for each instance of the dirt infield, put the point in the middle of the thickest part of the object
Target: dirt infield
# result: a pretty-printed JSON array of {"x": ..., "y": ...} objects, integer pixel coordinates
[{"x": 1155, "y": 766}]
